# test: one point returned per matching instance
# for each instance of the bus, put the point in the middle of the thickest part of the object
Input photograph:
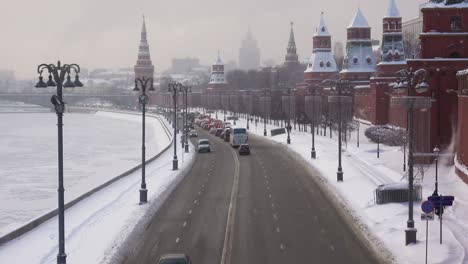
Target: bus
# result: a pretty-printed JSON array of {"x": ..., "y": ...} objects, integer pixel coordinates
[{"x": 238, "y": 136}]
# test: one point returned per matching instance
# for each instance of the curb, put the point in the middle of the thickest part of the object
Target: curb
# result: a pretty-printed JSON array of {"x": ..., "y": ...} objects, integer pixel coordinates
[{"x": 40, "y": 220}]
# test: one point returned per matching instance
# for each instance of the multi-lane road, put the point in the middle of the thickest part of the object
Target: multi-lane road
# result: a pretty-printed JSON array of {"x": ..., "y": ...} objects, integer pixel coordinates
[{"x": 262, "y": 208}]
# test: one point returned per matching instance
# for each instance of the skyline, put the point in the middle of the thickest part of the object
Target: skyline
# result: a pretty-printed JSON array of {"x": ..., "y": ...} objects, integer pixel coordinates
[{"x": 84, "y": 37}]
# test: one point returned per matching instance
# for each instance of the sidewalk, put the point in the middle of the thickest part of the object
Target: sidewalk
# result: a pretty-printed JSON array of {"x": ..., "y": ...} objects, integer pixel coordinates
[{"x": 363, "y": 172}]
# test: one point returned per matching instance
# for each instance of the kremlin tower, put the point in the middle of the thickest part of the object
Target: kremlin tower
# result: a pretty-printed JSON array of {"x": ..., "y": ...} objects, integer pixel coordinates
[
  {"x": 217, "y": 80},
  {"x": 144, "y": 67},
  {"x": 359, "y": 62},
  {"x": 322, "y": 64},
  {"x": 291, "y": 58}
]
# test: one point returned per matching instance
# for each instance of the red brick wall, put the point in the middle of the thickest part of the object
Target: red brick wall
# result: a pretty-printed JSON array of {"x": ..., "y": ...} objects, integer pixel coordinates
[
  {"x": 462, "y": 141},
  {"x": 364, "y": 104}
]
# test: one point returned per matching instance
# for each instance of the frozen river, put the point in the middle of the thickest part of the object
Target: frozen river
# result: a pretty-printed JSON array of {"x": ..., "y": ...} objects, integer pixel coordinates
[{"x": 97, "y": 147}]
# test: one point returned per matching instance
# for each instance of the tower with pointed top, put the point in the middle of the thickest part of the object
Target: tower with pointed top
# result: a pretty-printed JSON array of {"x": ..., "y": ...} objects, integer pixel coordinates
[
  {"x": 249, "y": 53},
  {"x": 322, "y": 64},
  {"x": 217, "y": 80},
  {"x": 359, "y": 62},
  {"x": 144, "y": 67},
  {"x": 291, "y": 58},
  {"x": 392, "y": 39}
]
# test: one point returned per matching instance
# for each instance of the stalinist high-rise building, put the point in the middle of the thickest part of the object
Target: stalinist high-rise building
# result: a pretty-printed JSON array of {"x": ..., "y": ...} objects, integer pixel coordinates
[
  {"x": 144, "y": 67},
  {"x": 249, "y": 53}
]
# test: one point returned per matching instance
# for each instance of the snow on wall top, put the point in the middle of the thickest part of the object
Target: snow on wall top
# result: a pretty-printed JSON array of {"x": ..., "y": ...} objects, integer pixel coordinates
[
  {"x": 446, "y": 4},
  {"x": 322, "y": 29},
  {"x": 359, "y": 21},
  {"x": 392, "y": 10}
]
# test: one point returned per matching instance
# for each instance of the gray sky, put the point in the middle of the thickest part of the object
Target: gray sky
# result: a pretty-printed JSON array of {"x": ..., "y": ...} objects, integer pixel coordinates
[{"x": 106, "y": 33}]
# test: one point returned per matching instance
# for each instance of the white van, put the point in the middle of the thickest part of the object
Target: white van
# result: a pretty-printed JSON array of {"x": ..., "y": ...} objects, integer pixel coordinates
[{"x": 238, "y": 136}]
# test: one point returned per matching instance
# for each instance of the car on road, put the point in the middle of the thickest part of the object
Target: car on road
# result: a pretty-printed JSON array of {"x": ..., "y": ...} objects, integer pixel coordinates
[
  {"x": 218, "y": 132},
  {"x": 175, "y": 259},
  {"x": 238, "y": 136},
  {"x": 203, "y": 145},
  {"x": 213, "y": 131},
  {"x": 227, "y": 135},
  {"x": 244, "y": 149},
  {"x": 193, "y": 133}
]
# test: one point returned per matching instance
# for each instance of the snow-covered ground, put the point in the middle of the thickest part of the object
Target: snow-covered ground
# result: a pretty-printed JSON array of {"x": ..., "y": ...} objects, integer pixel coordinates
[
  {"x": 363, "y": 172},
  {"x": 96, "y": 226},
  {"x": 97, "y": 147}
]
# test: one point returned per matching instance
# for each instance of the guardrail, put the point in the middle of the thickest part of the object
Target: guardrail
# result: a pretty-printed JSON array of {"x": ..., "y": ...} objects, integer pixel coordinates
[
  {"x": 38, "y": 221},
  {"x": 396, "y": 193}
]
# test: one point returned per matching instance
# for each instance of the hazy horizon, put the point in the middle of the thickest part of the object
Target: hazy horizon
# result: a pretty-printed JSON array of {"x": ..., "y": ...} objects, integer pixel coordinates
[{"x": 106, "y": 33}]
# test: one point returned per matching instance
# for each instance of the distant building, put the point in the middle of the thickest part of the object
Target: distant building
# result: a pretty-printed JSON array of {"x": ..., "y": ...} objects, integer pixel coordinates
[
  {"x": 184, "y": 65},
  {"x": 217, "y": 80},
  {"x": 7, "y": 80},
  {"x": 144, "y": 67},
  {"x": 291, "y": 58},
  {"x": 338, "y": 54},
  {"x": 249, "y": 53},
  {"x": 411, "y": 30},
  {"x": 359, "y": 62}
]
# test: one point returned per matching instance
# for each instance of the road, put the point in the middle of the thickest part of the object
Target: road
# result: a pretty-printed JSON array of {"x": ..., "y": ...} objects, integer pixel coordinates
[{"x": 279, "y": 214}]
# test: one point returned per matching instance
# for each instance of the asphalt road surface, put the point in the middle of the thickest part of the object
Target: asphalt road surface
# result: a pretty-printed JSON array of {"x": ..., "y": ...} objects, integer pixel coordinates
[{"x": 277, "y": 213}]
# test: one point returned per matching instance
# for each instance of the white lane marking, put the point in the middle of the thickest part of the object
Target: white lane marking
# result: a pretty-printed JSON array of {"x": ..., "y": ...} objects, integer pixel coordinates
[
  {"x": 190, "y": 211},
  {"x": 272, "y": 205},
  {"x": 277, "y": 230},
  {"x": 184, "y": 224},
  {"x": 332, "y": 248},
  {"x": 195, "y": 201},
  {"x": 269, "y": 196},
  {"x": 323, "y": 231},
  {"x": 282, "y": 247},
  {"x": 199, "y": 193},
  {"x": 229, "y": 234},
  {"x": 177, "y": 240},
  {"x": 275, "y": 216},
  {"x": 268, "y": 187}
]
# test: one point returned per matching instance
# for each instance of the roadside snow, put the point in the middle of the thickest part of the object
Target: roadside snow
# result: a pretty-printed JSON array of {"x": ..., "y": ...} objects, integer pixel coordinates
[
  {"x": 364, "y": 172},
  {"x": 96, "y": 226}
]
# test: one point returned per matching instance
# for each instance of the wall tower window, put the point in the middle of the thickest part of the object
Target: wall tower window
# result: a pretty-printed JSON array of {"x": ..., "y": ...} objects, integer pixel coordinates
[{"x": 455, "y": 23}]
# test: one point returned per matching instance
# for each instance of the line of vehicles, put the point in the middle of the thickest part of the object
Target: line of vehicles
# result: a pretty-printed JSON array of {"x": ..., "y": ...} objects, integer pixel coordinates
[{"x": 236, "y": 136}]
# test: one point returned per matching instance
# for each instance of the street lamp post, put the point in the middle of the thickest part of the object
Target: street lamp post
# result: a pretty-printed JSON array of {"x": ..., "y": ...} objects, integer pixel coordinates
[
  {"x": 56, "y": 78},
  {"x": 175, "y": 88},
  {"x": 314, "y": 106},
  {"x": 265, "y": 94},
  {"x": 143, "y": 100},
  {"x": 288, "y": 140},
  {"x": 187, "y": 89},
  {"x": 408, "y": 83},
  {"x": 404, "y": 153},
  {"x": 343, "y": 90},
  {"x": 436, "y": 153}
]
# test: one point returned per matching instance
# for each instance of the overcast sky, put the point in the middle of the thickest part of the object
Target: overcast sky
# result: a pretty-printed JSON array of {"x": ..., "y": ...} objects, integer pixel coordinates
[{"x": 106, "y": 33}]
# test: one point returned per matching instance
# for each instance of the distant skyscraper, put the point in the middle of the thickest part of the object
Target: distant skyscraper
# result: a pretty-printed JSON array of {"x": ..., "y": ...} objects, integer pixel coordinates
[
  {"x": 249, "y": 53},
  {"x": 291, "y": 57},
  {"x": 144, "y": 67}
]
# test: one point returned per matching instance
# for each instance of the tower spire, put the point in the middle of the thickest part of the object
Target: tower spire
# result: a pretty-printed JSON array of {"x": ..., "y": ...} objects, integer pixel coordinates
[
  {"x": 144, "y": 67},
  {"x": 291, "y": 55},
  {"x": 392, "y": 10}
]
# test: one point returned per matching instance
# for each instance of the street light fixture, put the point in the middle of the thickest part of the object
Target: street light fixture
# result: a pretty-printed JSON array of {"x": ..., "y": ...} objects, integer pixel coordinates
[
  {"x": 314, "y": 103},
  {"x": 411, "y": 82},
  {"x": 436, "y": 153},
  {"x": 175, "y": 88},
  {"x": 288, "y": 139},
  {"x": 187, "y": 89},
  {"x": 143, "y": 100},
  {"x": 56, "y": 78},
  {"x": 266, "y": 103},
  {"x": 343, "y": 90}
]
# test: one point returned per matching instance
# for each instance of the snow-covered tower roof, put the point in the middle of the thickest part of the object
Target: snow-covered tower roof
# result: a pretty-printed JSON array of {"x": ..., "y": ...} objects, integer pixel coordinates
[
  {"x": 322, "y": 64},
  {"x": 291, "y": 52},
  {"x": 144, "y": 66},
  {"x": 359, "y": 21},
  {"x": 359, "y": 62},
  {"x": 392, "y": 10},
  {"x": 217, "y": 73},
  {"x": 322, "y": 29}
]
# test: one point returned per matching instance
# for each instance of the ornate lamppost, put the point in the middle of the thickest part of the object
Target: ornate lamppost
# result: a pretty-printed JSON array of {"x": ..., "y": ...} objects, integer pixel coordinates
[
  {"x": 313, "y": 102},
  {"x": 187, "y": 89},
  {"x": 56, "y": 78},
  {"x": 411, "y": 82},
  {"x": 342, "y": 89},
  {"x": 175, "y": 88},
  {"x": 288, "y": 112},
  {"x": 266, "y": 104},
  {"x": 143, "y": 100}
]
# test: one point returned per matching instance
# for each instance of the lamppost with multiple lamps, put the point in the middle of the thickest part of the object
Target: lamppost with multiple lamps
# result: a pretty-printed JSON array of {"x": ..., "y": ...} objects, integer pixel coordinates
[
  {"x": 288, "y": 139},
  {"x": 56, "y": 78},
  {"x": 411, "y": 82},
  {"x": 143, "y": 100},
  {"x": 342, "y": 89},
  {"x": 314, "y": 106},
  {"x": 266, "y": 95},
  {"x": 175, "y": 88},
  {"x": 187, "y": 89}
]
